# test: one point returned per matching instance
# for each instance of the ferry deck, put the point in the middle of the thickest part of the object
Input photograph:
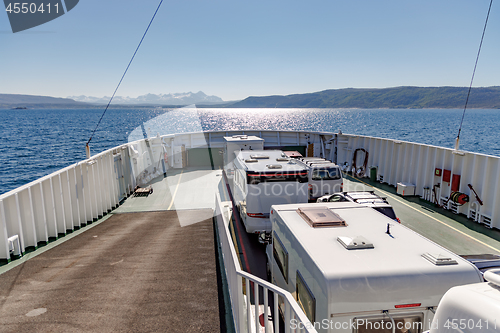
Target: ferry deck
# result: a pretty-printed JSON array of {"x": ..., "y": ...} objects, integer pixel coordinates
[{"x": 152, "y": 264}]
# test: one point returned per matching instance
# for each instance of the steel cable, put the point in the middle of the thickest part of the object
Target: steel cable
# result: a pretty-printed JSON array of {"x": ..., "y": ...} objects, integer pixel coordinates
[
  {"x": 124, "y": 73},
  {"x": 474, "y": 71}
]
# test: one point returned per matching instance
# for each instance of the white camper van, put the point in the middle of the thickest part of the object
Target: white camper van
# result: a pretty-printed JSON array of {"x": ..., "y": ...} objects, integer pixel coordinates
[
  {"x": 470, "y": 308},
  {"x": 263, "y": 178},
  {"x": 324, "y": 177},
  {"x": 233, "y": 144},
  {"x": 352, "y": 269}
]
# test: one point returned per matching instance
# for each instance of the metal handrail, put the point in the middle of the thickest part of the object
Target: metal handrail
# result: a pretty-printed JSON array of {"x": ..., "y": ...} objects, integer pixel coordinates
[{"x": 240, "y": 304}]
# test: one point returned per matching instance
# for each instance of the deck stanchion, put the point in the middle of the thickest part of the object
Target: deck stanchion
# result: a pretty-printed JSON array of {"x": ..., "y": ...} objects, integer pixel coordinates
[
  {"x": 68, "y": 202},
  {"x": 19, "y": 223},
  {"x": 110, "y": 180},
  {"x": 256, "y": 305},
  {"x": 276, "y": 317},
  {"x": 4, "y": 250},
  {"x": 93, "y": 191},
  {"x": 239, "y": 299},
  {"x": 86, "y": 192},
  {"x": 266, "y": 304},
  {"x": 51, "y": 207},
  {"x": 43, "y": 214},
  {"x": 61, "y": 220},
  {"x": 249, "y": 315},
  {"x": 29, "y": 211},
  {"x": 114, "y": 181},
  {"x": 76, "y": 197},
  {"x": 98, "y": 186}
]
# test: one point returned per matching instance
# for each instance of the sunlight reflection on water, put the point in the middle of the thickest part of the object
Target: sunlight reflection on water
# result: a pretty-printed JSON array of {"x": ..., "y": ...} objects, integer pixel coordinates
[{"x": 35, "y": 143}]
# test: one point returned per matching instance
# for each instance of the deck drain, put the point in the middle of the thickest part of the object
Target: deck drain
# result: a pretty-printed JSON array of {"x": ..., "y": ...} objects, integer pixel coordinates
[{"x": 36, "y": 312}]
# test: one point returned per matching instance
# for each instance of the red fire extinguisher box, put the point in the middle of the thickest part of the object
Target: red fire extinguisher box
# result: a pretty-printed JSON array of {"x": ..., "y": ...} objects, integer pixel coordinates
[
  {"x": 446, "y": 176},
  {"x": 455, "y": 183}
]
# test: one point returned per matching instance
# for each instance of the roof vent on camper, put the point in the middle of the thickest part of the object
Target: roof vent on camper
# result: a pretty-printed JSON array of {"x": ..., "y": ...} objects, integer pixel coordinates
[
  {"x": 321, "y": 217},
  {"x": 274, "y": 166},
  {"x": 259, "y": 157},
  {"x": 439, "y": 259},
  {"x": 251, "y": 160},
  {"x": 358, "y": 242},
  {"x": 282, "y": 159}
]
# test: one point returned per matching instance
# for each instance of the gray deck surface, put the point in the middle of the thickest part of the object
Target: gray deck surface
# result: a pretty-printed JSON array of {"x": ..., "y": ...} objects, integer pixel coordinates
[
  {"x": 150, "y": 265},
  {"x": 135, "y": 272}
]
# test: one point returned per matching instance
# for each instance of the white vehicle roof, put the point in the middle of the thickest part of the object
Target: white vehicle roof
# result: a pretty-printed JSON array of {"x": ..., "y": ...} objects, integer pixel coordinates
[
  {"x": 243, "y": 138},
  {"x": 478, "y": 303},
  {"x": 368, "y": 199},
  {"x": 363, "y": 196},
  {"x": 323, "y": 165},
  {"x": 267, "y": 161},
  {"x": 310, "y": 158},
  {"x": 363, "y": 279}
]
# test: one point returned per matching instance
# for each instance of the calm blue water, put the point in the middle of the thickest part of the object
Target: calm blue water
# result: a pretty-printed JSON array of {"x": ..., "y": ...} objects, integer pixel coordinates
[{"x": 34, "y": 143}]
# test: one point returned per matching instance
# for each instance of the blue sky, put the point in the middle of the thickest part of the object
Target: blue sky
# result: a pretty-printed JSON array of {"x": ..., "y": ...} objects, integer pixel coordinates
[{"x": 234, "y": 49}]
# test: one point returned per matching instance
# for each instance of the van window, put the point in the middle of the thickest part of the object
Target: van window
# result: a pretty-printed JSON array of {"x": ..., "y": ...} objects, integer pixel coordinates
[
  {"x": 383, "y": 324},
  {"x": 281, "y": 256},
  {"x": 305, "y": 298},
  {"x": 326, "y": 174}
]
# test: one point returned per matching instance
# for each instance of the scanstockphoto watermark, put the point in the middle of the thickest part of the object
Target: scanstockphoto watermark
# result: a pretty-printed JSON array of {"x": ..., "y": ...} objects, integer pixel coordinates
[
  {"x": 24, "y": 15},
  {"x": 410, "y": 326},
  {"x": 356, "y": 324},
  {"x": 288, "y": 189}
]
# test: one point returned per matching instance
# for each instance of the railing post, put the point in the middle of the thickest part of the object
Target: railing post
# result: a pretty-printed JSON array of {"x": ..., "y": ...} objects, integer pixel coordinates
[
  {"x": 99, "y": 183},
  {"x": 61, "y": 221},
  {"x": 249, "y": 316},
  {"x": 4, "y": 250},
  {"x": 239, "y": 301},
  {"x": 70, "y": 222},
  {"x": 76, "y": 211},
  {"x": 266, "y": 304},
  {"x": 43, "y": 217},
  {"x": 93, "y": 192},
  {"x": 50, "y": 210},
  {"x": 256, "y": 305},
  {"x": 20, "y": 224},
  {"x": 276, "y": 318}
]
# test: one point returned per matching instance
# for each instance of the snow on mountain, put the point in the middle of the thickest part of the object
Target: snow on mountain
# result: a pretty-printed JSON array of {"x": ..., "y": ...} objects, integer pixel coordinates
[{"x": 162, "y": 99}]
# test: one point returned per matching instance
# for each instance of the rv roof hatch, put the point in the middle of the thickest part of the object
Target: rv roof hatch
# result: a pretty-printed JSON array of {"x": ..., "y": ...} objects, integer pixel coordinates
[{"x": 321, "y": 217}]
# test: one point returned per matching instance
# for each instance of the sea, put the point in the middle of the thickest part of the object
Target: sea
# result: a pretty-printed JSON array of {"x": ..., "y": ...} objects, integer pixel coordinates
[{"x": 37, "y": 142}]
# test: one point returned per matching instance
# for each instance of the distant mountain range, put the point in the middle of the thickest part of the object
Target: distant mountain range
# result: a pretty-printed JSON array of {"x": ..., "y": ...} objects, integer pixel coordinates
[
  {"x": 390, "y": 98},
  {"x": 14, "y": 100},
  {"x": 152, "y": 99}
]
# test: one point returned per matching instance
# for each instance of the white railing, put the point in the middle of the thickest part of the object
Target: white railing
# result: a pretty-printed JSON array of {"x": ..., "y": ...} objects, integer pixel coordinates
[
  {"x": 400, "y": 161},
  {"x": 81, "y": 193},
  {"x": 240, "y": 285},
  {"x": 63, "y": 201}
]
